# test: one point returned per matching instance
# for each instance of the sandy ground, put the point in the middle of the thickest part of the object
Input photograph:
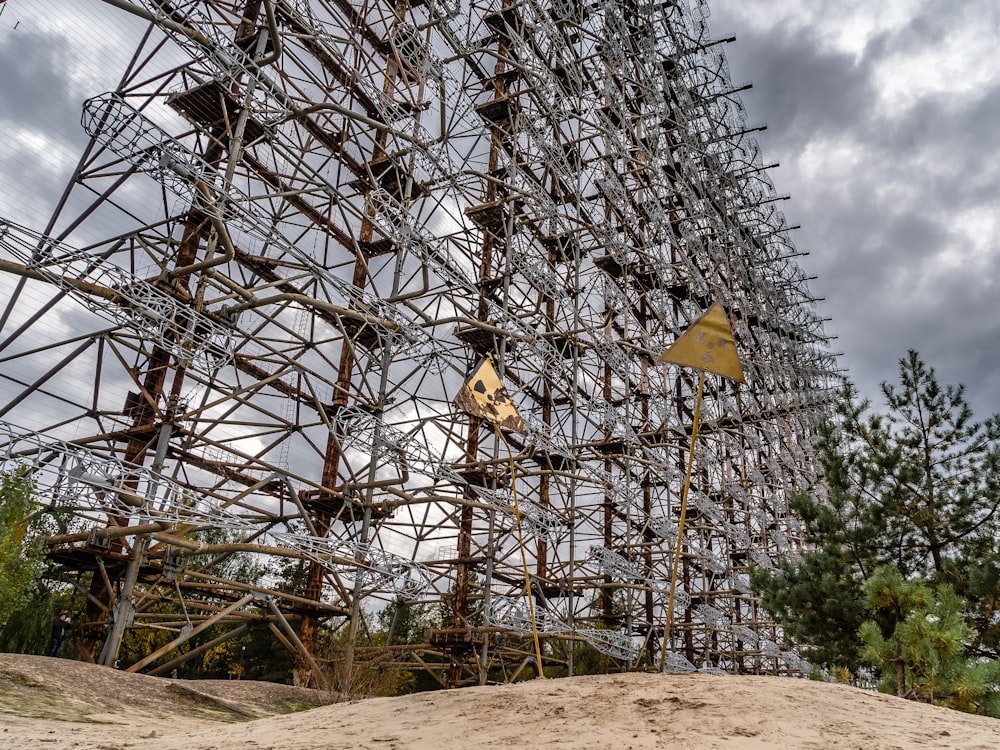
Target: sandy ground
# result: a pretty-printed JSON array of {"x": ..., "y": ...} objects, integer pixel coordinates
[{"x": 56, "y": 703}]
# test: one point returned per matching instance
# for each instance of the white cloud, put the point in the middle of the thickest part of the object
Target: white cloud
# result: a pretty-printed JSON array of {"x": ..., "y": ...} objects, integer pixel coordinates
[
  {"x": 957, "y": 66},
  {"x": 844, "y": 26},
  {"x": 974, "y": 251}
]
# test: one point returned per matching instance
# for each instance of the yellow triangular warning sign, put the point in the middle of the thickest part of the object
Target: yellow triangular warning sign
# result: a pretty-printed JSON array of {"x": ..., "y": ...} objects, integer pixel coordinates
[
  {"x": 483, "y": 395},
  {"x": 708, "y": 345}
]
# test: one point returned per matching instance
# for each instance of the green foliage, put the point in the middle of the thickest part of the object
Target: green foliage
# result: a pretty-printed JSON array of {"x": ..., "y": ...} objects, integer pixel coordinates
[
  {"x": 236, "y": 566},
  {"x": 901, "y": 547},
  {"x": 29, "y": 600},
  {"x": 138, "y": 643},
  {"x": 816, "y": 673},
  {"x": 938, "y": 470},
  {"x": 28, "y": 628},
  {"x": 977, "y": 577},
  {"x": 372, "y": 670},
  {"x": 402, "y": 622},
  {"x": 20, "y": 545},
  {"x": 588, "y": 660},
  {"x": 916, "y": 486},
  {"x": 252, "y": 655},
  {"x": 260, "y": 658},
  {"x": 293, "y": 575},
  {"x": 917, "y": 637},
  {"x": 819, "y": 602},
  {"x": 818, "y": 598}
]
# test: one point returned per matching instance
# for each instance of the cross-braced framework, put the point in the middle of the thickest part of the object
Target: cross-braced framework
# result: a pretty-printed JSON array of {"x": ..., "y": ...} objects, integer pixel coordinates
[{"x": 299, "y": 225}]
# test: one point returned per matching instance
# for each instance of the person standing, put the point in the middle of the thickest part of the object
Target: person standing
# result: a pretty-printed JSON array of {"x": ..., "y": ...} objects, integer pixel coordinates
[{"x": 60, "y": 629}]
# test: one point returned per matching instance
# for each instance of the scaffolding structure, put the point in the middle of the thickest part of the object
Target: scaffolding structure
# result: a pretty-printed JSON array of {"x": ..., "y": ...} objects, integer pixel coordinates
[{"x": 299, "y": 225}]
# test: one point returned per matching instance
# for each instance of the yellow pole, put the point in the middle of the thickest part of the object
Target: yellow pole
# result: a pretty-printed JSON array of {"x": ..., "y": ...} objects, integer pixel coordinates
[
  {"x": 524, "y": 558},
  {"x": 680, "y": 523}
]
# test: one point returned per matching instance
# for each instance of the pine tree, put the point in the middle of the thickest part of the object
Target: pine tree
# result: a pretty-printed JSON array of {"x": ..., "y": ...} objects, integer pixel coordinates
[
  {"x": 917, "y": 639},
  {"x": 916, "y": 486},
  {"x": 818, "y": 599},
  {"x": 937, "y": 470}
]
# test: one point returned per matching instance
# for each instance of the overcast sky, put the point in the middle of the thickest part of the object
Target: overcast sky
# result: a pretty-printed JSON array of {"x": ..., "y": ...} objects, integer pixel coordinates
[{"x": 885, "y": 117}]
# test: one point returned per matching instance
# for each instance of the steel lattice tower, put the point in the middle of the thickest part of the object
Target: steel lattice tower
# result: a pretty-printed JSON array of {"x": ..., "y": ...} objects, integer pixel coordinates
[{"x": 299, "y": 225}]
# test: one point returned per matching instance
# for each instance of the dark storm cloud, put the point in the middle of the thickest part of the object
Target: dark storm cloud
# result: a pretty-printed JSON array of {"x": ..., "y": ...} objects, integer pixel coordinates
[
  {"x": 35, "y": 89},
  {"x": 800, "y": 89},
  {"x": 884, "y": 187},
  {"x": 945, "y": 145},
  {"x": 40, "y": 117}
]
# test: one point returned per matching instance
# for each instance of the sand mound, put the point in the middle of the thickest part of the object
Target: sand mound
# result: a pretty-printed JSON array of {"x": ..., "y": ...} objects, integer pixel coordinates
[{"x": 55, "y": 703}]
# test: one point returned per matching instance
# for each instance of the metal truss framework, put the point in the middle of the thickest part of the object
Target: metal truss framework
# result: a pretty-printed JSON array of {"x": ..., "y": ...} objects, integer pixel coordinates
[{"x": 297, "y": 227}]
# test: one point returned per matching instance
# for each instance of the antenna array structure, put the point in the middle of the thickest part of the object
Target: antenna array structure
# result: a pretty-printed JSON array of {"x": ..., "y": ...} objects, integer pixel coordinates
[{"x": 299, "y": 225}]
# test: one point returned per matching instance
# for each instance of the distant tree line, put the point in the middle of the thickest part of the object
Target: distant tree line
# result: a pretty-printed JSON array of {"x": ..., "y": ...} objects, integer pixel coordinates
[
  {"x": 34, "y": 588},
  {"x": 30, "y": 598},
  {"x": 900, "y": 577}
]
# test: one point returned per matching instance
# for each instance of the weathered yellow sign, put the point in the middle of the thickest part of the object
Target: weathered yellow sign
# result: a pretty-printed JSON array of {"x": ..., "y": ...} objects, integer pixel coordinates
[
  {"x": 483, "y": 395},
  {"x": 708, "y": 345}
]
